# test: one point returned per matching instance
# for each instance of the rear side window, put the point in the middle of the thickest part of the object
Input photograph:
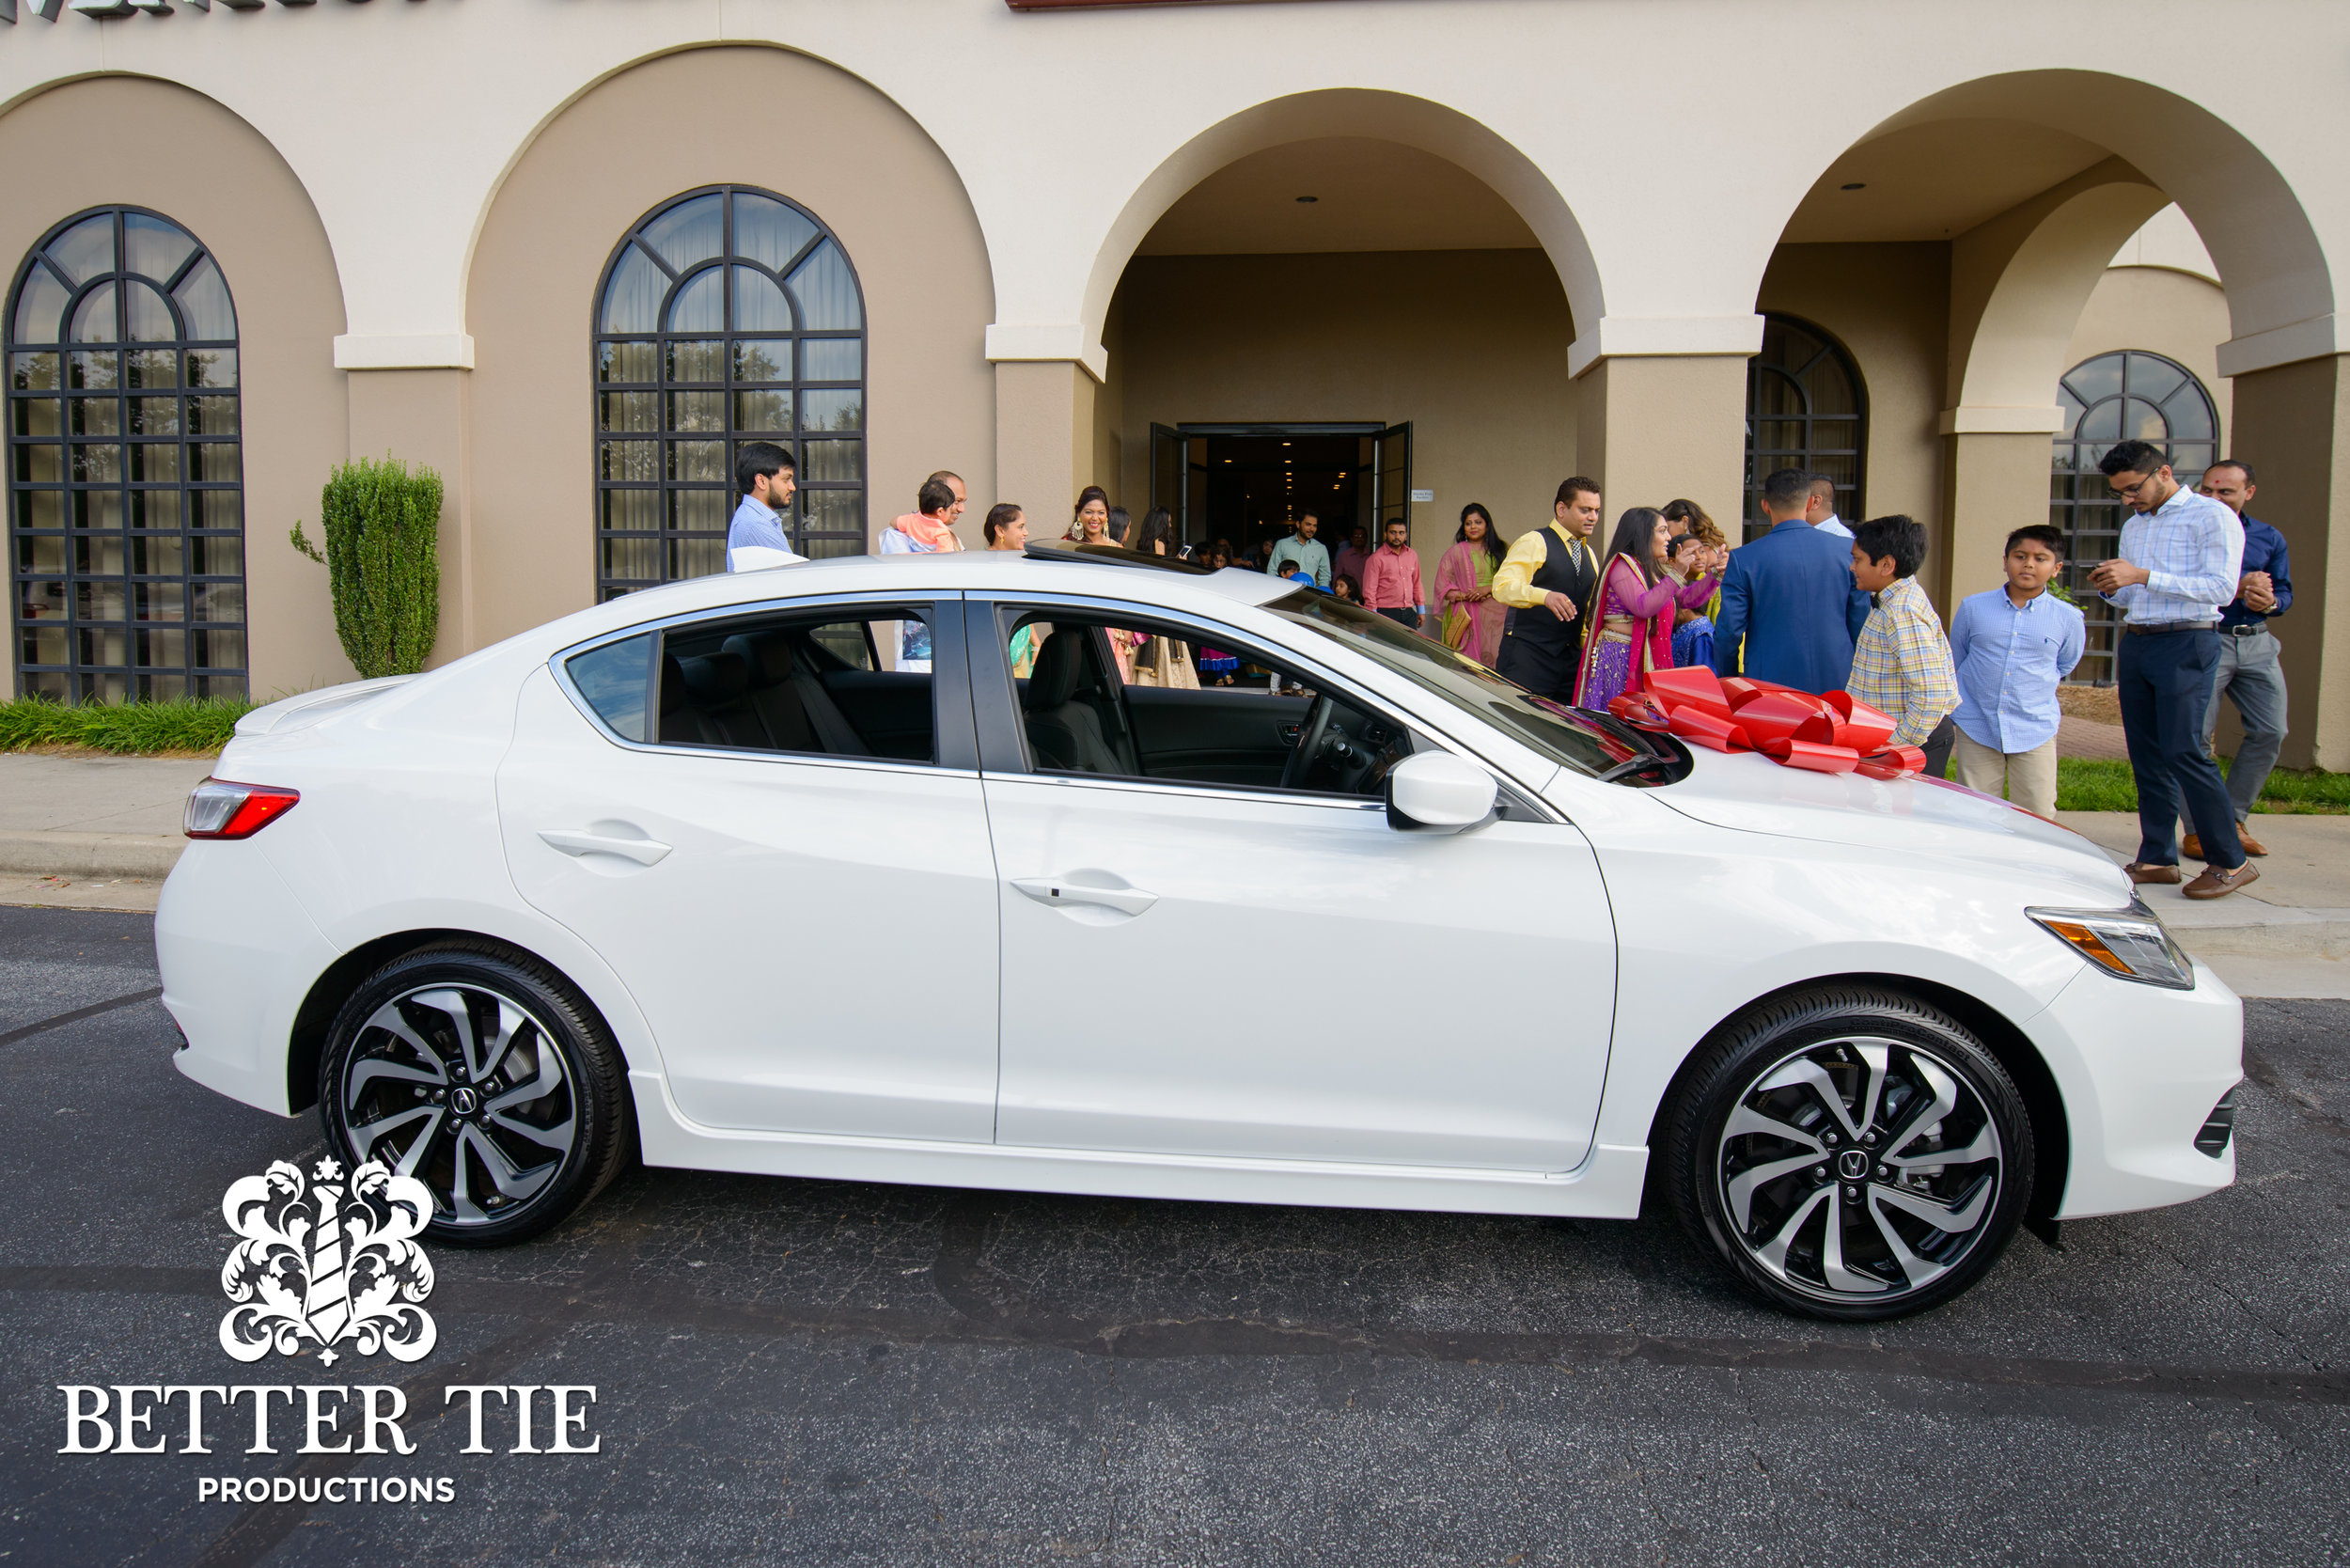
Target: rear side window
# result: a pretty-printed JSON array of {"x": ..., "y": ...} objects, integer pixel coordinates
[
  {"x": 827, "y": 686},
  {"x": 614, "y": 679}
]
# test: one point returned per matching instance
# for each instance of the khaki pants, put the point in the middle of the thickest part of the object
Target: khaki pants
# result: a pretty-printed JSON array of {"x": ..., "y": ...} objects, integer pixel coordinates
[{"x": 2028, "y": 778}]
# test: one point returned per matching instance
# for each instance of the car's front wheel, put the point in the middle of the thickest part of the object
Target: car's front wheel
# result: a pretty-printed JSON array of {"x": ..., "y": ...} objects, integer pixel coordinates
[
  {"x": 1849, "y": 1154},
  {"x": 484, "y": 1076}
]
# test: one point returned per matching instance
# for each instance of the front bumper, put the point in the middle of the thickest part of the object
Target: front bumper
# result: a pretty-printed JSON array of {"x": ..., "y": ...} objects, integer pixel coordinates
[{"x": 2140, "y": 1069}]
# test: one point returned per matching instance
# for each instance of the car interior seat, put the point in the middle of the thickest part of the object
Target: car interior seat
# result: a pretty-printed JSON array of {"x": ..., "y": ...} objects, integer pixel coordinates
[
  {"x": 798, "y": 712},
  {"x": 1064, "y": 730}
]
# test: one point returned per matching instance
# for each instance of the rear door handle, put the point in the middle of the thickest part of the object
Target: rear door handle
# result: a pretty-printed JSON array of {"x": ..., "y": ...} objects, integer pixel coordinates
[
  {"x": 571, "y": 841},
  {"x": 1127, "y": 900}
]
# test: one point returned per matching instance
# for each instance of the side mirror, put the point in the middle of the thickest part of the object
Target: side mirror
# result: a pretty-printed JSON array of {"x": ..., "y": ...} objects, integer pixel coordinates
[{"x": 1434, "y": 791}]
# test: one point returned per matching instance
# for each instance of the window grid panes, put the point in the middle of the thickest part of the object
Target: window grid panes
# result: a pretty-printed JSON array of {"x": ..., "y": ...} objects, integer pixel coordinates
[
  {"x": 126, "y": 519},
  {"x": 726, "y": 316},
  {"x": 1804, "y": 409},
  {"x": 2126, "y": 396}
]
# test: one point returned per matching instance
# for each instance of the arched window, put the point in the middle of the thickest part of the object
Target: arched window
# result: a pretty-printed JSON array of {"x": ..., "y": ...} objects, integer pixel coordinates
[
  {"x": 1804, "y": 409},
  {"x": 126, "y": 517},
  {"x": 727, "y": 315},
  {"x": 2126, "y": 396}
]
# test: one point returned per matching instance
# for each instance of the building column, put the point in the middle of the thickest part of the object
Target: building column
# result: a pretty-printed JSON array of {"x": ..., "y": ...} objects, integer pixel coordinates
[
  {"x": 1995, "y": 479},
  {"x": 410, "y": 400},
  {"x": 2293, "y": 425},
  {"x": 1045, "y": 438},
  {"x": 1656, "y": 428}
]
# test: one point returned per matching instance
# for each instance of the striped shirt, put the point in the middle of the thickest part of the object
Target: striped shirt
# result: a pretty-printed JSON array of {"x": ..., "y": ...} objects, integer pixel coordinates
[
  {"x": 1901, "y": 664},
  {"x": 2192, "y": 547}
]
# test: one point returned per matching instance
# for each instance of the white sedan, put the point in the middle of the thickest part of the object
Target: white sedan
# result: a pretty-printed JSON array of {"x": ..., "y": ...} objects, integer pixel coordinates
[{"x": 726, "y": 873}]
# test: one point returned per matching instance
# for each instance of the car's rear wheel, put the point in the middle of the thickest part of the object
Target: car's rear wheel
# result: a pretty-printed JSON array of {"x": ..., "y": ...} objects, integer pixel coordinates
[
  {"x": 484, "y": 1076},
  {"x": 1853, "y": 1154}
]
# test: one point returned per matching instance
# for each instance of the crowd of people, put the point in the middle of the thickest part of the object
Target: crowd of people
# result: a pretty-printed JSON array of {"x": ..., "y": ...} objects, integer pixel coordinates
[{"x": 1813, "y": 602}]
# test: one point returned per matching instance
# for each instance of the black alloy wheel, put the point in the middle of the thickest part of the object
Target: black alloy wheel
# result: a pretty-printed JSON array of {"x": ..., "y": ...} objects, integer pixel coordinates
[
  {"x": 1850, "y": 1154},
  {"x": 485, "y": 1076}
]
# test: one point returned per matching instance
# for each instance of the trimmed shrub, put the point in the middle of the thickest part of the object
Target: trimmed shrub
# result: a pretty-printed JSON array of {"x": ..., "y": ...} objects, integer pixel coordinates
[
  {"x": 383, "y": 558},
  {"x": 126, "y": 728}
]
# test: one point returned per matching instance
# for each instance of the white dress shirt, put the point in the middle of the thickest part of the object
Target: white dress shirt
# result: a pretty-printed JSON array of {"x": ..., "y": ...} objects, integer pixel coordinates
[
  {"x": 2193, "y": 548},
  {"x": 1832, "y": 524}
]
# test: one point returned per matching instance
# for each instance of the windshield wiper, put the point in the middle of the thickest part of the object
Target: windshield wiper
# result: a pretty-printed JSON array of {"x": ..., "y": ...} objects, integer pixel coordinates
[{"x": 1634, "y": 764}]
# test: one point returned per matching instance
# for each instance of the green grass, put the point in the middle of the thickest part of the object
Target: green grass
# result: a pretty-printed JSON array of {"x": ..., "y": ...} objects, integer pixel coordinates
[
  {"x": 2083, "y": 785},
  {"x": 127, "y": 728}
]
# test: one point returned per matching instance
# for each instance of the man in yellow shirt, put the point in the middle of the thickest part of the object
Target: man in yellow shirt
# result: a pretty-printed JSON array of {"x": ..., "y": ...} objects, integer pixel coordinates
[{"x": 1548, "y": 580}]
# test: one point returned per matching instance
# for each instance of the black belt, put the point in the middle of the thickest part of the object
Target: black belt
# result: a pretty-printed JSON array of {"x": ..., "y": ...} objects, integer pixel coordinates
[
  {"x": 2245, "y": 628},
  {"x": 2163, "y": 628}
]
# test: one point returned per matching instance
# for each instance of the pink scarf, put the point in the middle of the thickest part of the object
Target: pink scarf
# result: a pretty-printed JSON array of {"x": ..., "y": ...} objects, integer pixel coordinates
[{"x": 927, "y": 531}]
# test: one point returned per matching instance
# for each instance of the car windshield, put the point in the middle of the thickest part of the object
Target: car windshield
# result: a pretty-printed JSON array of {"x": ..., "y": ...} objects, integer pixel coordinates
[{"x": 1569, "y": 736}]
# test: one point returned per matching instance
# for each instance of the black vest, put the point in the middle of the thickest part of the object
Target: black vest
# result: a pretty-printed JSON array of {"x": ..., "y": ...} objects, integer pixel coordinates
[{"x": 1565, "y": 570}]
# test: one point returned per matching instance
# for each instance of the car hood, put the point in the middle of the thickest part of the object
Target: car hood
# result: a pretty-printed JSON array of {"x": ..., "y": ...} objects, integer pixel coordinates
[{"x": 1915, "y": 816}]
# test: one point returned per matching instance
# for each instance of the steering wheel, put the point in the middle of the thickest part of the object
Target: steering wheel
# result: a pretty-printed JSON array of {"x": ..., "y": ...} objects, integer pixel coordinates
[{"x": 1301, "y": 761}]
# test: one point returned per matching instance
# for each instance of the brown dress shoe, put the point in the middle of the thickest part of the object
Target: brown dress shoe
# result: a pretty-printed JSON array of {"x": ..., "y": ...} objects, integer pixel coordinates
[
  {"x": 2216, "y": 884},
  {"x": 2146, "y": 870},
  {"x": 2193, "y": 847}
]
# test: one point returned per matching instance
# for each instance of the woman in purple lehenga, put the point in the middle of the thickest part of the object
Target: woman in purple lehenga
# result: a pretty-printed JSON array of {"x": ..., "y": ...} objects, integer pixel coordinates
[{"x": 1633, "y": 630}]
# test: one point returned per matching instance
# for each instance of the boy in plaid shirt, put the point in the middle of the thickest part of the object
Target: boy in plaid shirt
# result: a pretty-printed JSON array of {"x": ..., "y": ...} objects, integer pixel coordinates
[{"x": 1901, "y": 664}]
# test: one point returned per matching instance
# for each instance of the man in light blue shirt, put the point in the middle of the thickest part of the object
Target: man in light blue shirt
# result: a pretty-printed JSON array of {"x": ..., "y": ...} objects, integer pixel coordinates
[
  {"x": 754, "y": 534},
  {"x": 1302, "y": 550},
  {"x": 2010, "y": 648}
]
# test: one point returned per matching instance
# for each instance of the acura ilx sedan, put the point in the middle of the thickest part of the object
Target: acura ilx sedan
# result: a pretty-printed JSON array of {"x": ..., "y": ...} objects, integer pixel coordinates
[{"x": 726, "y": 873}]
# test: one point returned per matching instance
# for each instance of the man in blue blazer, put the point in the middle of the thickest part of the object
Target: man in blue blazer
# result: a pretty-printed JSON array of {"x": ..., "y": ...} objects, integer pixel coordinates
[{"x": 1789, "y": 597}]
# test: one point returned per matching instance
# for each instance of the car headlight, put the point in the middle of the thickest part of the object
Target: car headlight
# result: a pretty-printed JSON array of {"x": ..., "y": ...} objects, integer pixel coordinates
[{"x": 2129, "y": 943}]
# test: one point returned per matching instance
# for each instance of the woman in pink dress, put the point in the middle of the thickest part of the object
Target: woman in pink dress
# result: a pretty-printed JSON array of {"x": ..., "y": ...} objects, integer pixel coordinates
[
  {"x": 1465, "y": 587},
  {"x": 1636, "y": 600}
]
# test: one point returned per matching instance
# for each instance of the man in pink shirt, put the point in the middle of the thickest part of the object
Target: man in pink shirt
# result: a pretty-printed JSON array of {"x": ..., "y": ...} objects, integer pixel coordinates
[{"x": 1391, "y": 579}]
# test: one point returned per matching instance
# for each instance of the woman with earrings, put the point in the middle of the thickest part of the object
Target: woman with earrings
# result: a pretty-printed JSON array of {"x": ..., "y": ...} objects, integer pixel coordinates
[
  {"x": 1465, "y": 586},
  {"x": 1636, "y": 598}
]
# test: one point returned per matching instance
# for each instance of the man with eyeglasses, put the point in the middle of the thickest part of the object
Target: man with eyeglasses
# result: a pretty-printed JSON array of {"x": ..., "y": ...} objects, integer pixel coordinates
[
  {"x": 2180, "y": 555},
  {"x": 2248, "y": 674}
]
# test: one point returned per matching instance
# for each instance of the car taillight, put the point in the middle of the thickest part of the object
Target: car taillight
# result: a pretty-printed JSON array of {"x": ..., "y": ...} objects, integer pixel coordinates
[{"x": 218, "y": 809}]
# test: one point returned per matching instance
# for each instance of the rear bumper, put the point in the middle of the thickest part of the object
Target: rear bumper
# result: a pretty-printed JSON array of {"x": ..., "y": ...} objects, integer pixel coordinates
[
  {"x": 238, "y": 955},
  {"x": 2140, "y": 1069}
]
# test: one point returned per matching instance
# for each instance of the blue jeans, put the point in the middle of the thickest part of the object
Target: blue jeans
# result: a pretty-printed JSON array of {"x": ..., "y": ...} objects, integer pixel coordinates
[
  {"x": 2165, "y": 683},
  {"x": 2249, "y": 675}
]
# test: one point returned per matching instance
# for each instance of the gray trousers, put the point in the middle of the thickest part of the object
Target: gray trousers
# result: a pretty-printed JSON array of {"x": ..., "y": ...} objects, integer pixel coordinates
[{"x": 2249, "y": 676}]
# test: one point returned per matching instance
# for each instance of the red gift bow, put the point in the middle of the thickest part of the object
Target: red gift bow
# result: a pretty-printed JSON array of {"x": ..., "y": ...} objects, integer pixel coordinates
[{"x": 1831, "y": 733}]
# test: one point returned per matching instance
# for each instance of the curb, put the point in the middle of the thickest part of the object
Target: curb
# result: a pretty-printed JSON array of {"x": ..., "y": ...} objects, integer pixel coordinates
[
  {"x": 90, "y": 854},
  {"x": 2276, "y": 930}
]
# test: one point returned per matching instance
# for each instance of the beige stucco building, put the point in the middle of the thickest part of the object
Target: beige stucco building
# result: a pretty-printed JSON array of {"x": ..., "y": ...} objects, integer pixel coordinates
[{"x": 1378, "y": 257}]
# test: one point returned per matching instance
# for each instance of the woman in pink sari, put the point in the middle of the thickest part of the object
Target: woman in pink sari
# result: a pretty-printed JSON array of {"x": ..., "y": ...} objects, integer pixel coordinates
[
  {"x": 1465, "y": 587},
  {"x": 1636, "y": 601}
]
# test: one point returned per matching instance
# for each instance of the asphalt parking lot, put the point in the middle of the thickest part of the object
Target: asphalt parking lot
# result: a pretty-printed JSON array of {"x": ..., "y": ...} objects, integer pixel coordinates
[{"x": 818, "y": 1372}]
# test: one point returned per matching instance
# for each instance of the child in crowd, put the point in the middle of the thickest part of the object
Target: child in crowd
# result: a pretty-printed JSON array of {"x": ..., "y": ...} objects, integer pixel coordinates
[
  {"x": 1900, "y": 663},
  {"x": 1693, "y": 630},
  {"x": 1347, "y": 589},
  {"x": 2010, "y": 647}
]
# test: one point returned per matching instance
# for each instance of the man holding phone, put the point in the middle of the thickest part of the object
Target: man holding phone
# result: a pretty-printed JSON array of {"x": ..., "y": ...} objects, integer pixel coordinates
[
  {"x": 2248, "y": 672},
  {"x": 2181, "y": 558}
]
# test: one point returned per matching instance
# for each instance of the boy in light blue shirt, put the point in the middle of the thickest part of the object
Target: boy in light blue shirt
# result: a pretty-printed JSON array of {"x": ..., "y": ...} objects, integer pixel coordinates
[{"x": 2010, "y": 647}]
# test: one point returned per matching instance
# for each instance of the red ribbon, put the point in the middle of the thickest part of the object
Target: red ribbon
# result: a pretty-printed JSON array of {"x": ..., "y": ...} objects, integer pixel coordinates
[{"x": 1831, "y": 733}]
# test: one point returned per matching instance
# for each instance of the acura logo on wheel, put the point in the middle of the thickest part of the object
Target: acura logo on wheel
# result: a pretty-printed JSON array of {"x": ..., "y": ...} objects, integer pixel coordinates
[
  {"x": 465, "y": 1102},
  {"x": 1853, "y": 1164}
]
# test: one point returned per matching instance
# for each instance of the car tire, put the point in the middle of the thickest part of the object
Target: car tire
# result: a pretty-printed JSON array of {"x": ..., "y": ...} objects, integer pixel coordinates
[
  {"x": 1842, "y": 1210},
  {"x": 487, "y": 1076}
]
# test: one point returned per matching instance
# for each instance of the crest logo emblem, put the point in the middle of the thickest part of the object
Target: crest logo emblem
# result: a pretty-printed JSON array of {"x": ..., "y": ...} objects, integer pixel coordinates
[{"x": 330, "y": 1262}]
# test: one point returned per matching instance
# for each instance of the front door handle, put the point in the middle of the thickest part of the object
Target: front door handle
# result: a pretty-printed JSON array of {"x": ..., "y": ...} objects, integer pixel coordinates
[
  {"x": 1126, "y": 901},
  {"x": 574, "y": 842}
]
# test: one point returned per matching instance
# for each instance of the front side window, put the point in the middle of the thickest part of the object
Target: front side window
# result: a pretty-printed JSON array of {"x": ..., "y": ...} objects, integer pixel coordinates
[
  {"x": 126, "y": 521},
  {"x": 1088, "y": 706},
  {"x": 726, "y": 316}
]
